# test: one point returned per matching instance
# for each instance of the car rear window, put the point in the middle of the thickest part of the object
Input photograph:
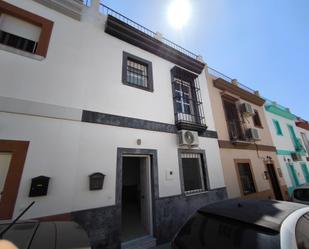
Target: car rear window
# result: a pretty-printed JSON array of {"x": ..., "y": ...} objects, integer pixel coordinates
[
  {"x": 301, "y": 194},
  {"x": 213, "y": 232},
  {"x": 302, "y": 232}
]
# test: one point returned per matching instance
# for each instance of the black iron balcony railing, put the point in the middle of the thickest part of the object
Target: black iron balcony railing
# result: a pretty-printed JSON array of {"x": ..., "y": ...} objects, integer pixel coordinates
[
  {"x": 236, "y": 130},
  {"x": 108, "y": 11}
]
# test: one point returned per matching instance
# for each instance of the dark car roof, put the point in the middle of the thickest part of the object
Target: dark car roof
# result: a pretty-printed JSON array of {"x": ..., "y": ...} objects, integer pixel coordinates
[{"x": 265, "y": 213}]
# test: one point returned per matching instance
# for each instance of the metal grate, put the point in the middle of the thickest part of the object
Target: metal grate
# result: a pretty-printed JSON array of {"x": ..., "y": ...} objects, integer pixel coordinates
[
  {"x": 17, "y": 42},
  {"x": 108, "y": 11},
  {"x": 187, "y": 98},
  {"x": 137, "y": 73}
]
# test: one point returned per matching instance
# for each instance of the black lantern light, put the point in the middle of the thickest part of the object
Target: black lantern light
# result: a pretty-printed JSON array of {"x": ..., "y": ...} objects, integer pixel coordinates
[{"x": 96, "y": 181}]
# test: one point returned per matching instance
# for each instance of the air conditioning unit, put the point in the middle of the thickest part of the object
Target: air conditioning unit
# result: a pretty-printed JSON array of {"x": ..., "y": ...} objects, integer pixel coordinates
[
  {"x": 253, "y": 134},
  {"x": 296, "y": 156},
  {"x": 189, "y": 138},
  {"x": 246, "y": 109}
]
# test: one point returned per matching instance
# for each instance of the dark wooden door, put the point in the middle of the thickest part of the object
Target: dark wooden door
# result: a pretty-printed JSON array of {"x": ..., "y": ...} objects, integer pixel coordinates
[
  {"x": 274, "y": 181},
  {"x": 233, "y": 120}
]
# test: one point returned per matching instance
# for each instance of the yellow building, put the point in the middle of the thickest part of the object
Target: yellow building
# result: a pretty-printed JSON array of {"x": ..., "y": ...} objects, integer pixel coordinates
[{"x": 250, "y": 165}]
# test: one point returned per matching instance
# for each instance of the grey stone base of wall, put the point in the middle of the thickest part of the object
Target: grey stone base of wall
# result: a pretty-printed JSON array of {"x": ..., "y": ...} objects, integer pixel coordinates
[{"x": 170, "y": 213}]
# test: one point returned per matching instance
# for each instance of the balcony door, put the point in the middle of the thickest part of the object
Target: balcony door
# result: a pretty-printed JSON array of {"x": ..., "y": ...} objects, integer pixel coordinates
[{"x": 233, "y": 120}]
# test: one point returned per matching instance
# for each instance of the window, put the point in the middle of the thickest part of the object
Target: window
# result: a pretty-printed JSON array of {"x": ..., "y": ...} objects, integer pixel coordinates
[
  {"x": 24, "y": 31},
  {"x": 188, "y": 107},
  {"x": 305, "y": 140},
  {"x": 233, "y": 121},
  {"x": 246, "y": 178},
  {"x": 137, "y": 72},
  {"x": 278, "y": 128},
  {"x": 193, "y": 173},
  {"x": 256, "y": 119}
]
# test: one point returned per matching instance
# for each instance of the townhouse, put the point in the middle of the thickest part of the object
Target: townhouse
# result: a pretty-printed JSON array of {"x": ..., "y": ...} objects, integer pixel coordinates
[
  {"x": 105, "y": 123},
  {"x": 302, "y": 131},
  {"x": 250, "y": 165},
  {"x": 291, "y": 152}
]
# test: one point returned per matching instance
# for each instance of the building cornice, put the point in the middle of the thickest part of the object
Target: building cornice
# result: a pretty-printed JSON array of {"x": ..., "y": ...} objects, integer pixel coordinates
[
  {"x": 273, "y": 108},
  {"x": 225, "y": 144},
  {"x": 241, "y": 93},
  {"x": 129, "y": 34}
]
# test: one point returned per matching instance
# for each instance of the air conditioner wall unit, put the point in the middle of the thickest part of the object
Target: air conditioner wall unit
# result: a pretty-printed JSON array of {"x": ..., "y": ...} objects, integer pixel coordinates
[
  {"x": 253, "y": 134},
  {"x": 246, "y": 109},
  {"x": 296, "y": 156},
  {"x": 189, "y": 138}
]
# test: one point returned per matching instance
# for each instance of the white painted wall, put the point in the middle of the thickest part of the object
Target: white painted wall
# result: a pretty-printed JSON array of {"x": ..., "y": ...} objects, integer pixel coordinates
[
  {"x": 69, "y": 151},
  {"x": 83, "y": 70}
]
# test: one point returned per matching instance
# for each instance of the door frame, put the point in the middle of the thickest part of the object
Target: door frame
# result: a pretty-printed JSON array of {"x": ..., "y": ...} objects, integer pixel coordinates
[
  {"x": 18, "y": 149},
  {"x": 277, "y": 178},
  {"x": 152, "y": 154}
]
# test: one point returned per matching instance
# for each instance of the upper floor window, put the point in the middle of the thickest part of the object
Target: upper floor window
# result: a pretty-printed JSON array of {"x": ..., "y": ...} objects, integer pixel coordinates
[
  {"x": 305, "y": 140},
  {"x": 256, "y": 119},
  {"x": 23, "y": 31},
  {"x": 233, "y": 120},
  {"x": 188, "y": 107},
  {"x": 137, "y": 72},
  {"x": 278, "y": 128}
]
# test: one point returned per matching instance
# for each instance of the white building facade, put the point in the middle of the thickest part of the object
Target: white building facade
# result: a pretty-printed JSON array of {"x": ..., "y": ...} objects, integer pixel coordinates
[
  {"x": 290, "y": 148},
  {"x": 90, "y": 111}
]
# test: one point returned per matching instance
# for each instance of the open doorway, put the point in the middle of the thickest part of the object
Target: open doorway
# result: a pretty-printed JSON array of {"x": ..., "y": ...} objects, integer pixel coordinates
[{"x": 136, "y": 204}]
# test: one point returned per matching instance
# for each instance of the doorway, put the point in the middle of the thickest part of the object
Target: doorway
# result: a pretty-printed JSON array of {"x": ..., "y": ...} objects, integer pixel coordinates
[
  {"x": 136, "y": 204},
  {"x": 274, "y": 181}
]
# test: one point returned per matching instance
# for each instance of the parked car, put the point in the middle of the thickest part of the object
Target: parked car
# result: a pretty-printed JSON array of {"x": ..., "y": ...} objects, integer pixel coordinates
[
  {"x": 47, "y": 235},
  {"x": 301, "y": 194},
  {"x": 244, "y": 224}
]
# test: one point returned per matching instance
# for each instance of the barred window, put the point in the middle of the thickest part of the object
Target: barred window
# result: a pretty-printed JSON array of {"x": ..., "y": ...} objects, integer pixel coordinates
[
  {"x": 193, "y": 173},
  {"x": 137, "y": 72}
]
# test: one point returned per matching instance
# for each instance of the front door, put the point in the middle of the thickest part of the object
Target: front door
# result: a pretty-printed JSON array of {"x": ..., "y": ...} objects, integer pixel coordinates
[
  {"x": 12, "y": 158},
  {"x": 274, "y": 181},
  {"x": 293, "y": 175},
  {"x": 136, "y": 198},
  {"x": 305, "y": 171}
]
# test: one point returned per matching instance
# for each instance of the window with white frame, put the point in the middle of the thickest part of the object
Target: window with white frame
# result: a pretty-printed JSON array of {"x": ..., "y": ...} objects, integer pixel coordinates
[
  {"x": 193, "y": 173},
  {"x": 183, "y": 97}
]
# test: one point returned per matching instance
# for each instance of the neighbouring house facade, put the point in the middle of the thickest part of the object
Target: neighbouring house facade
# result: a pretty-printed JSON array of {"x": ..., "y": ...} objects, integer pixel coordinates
[
  {"x": 302, "y": 132},
  {"x": 290, "y": 150},
  {"x": 250, "y": 165},
  {"x": 102, "y": 122}
]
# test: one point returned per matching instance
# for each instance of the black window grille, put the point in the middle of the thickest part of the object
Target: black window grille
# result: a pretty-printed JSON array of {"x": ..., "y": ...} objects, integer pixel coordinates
[
  {"x": 137, "y": 72},
  {"x": 193, "y": 173},
  {"x": 17, "y": 42},
  {"x": 246, "y": 178},
  {"x": 189, "y": 113}
]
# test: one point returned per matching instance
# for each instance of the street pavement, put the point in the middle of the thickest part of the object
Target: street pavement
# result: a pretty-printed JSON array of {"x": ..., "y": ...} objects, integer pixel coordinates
[{"x": 165, "y": 246}]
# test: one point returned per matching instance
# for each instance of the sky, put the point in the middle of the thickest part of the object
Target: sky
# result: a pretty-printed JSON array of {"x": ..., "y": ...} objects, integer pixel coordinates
[{"x": 263, "y": 44}]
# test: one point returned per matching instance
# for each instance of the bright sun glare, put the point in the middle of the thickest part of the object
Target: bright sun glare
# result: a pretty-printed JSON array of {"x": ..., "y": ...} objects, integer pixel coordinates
[{"x": 179, "y": 13}]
